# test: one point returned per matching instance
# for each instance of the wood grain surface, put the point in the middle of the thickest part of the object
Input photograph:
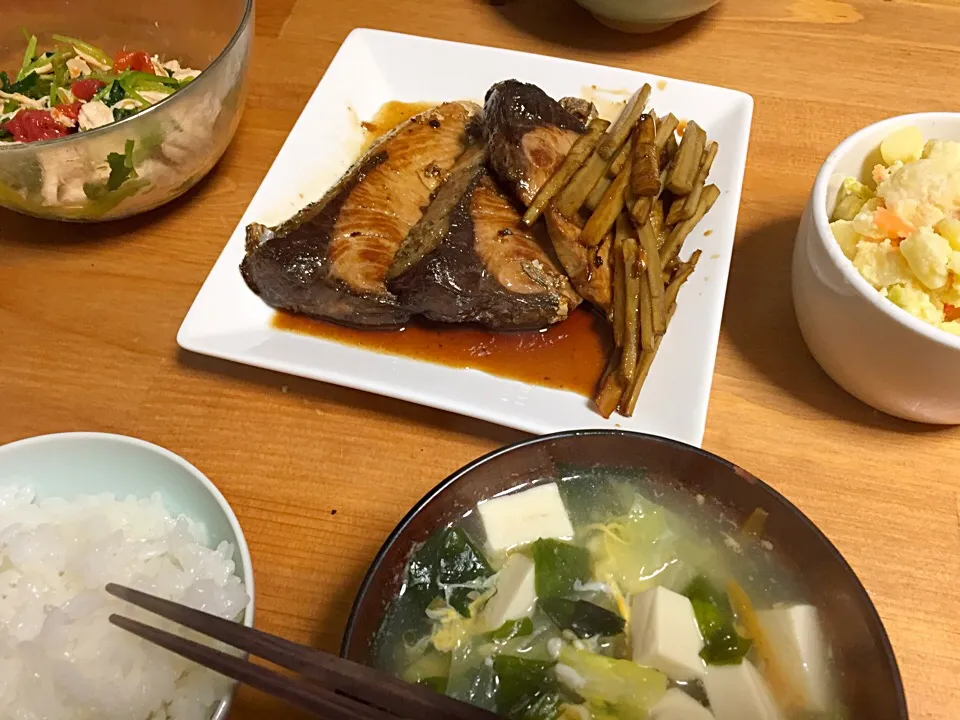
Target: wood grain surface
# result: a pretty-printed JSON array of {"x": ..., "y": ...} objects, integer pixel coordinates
[{"x": 319, "y": 475}]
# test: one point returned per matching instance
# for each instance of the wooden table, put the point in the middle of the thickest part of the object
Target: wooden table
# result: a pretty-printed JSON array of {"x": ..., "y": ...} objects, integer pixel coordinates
[{"x": 319, "y": 475}]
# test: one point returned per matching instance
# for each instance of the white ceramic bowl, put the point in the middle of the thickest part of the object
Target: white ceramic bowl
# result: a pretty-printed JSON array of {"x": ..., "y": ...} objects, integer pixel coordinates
[
  {"x": 875, "y": 350},
  {"x": 644, "y": 16},
  {"x": 85, "y": 463}
]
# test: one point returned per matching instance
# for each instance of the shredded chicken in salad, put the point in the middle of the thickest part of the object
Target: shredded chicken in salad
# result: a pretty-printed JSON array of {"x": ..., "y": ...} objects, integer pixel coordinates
[{"x": 77, "y": 87}]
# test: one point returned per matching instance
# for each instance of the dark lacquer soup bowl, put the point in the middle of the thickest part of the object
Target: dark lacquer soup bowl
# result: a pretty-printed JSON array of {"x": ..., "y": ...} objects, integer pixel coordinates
[{"x": 864, "y": 667}]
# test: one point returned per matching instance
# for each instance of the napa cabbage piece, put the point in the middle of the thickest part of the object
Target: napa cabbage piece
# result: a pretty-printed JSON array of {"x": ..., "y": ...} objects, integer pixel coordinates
[
  {"x": 532, "y": 645},
  {"x": 471, "y": 677},
  {"x": 612, "y": 688},
  {"x": 572, "y": 712},
  {"x": 432, "y": 668},
  {"x": 634, "y": 550},
  {"x": 512, "y": 628}
]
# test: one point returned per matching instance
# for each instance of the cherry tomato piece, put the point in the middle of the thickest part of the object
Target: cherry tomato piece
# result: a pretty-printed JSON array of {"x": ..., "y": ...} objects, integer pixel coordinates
[
  {"x": 133, "y": 60},
  {"x": 71, "y": 110},
  {"x": 85, "y": 89},
  {"x": 32, "y": 125}
]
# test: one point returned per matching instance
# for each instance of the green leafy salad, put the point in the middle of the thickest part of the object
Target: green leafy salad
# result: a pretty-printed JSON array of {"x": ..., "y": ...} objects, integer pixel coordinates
[{"x": 75, "y": 87}]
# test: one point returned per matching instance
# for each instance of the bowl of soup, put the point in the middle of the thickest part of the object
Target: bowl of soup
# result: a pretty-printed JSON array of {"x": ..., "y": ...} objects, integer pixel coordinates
[{"x": 599, "y": 575}]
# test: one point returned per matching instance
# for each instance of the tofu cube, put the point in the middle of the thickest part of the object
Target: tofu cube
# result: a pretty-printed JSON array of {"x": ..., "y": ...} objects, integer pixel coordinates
[
  {"x": 516, "y": 593},
  {"x": 524, "y": 517},
  {"x": 795, "y": 636},
  {"x": 666, "y": 635},
  {"x": 677, "y": 705},
  {"x": 738, "y": 692}
]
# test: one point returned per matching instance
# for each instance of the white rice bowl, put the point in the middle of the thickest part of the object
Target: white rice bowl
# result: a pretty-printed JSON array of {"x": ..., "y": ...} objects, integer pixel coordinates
[{"x": 59, "y": 656}]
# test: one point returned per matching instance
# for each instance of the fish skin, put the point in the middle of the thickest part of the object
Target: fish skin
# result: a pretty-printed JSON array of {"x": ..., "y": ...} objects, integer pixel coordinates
[{"x": 528, "y": 136}]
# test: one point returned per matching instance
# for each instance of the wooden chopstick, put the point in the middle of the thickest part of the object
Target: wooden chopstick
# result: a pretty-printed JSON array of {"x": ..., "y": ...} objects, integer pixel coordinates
[
  {"x": 357, "y": 684},
  {"x": 297, "y": 692}
]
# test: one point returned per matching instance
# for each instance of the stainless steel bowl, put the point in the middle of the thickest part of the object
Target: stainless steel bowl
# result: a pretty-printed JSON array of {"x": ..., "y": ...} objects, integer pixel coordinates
[{"x": 175, "y": 142}]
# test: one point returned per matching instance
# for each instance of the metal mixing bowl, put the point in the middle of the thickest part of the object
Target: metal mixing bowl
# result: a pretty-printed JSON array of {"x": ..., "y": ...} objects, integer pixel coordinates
[{"x": 176, "y": 141}]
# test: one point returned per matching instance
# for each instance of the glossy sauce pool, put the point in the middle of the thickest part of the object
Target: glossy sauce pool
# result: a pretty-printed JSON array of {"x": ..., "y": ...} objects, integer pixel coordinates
[
  {"x": 390, "y": 114},
  {"x": 568, "y": 356}
]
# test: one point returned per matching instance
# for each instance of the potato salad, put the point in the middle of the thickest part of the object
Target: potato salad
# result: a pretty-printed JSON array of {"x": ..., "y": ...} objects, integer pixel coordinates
[{"x": 901, "y": 226}]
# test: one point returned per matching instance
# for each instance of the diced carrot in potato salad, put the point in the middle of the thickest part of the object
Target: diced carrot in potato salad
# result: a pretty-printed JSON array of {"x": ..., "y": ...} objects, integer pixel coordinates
[{"x": 901, "y": 228}]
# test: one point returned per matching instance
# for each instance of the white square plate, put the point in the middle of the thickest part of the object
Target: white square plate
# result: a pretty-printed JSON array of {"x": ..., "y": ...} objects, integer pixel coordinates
[{"x": 372, "y": 67}]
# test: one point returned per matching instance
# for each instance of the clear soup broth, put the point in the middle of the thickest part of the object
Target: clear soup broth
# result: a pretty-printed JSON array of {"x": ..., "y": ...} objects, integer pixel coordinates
[{"x": 599, "y": 597}]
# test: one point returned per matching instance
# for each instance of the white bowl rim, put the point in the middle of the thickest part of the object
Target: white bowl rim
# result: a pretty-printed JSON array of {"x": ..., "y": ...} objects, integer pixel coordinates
[
  {"x": 244, "y": 551},
  {"x": 846, "y": 267}
]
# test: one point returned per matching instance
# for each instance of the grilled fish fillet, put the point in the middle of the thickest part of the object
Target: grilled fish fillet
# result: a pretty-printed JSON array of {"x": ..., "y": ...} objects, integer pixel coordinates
[
  {"x": 470, "y": 259},
  {"x": 528, "y": 135},
  {"x": 330, "y": 260}
]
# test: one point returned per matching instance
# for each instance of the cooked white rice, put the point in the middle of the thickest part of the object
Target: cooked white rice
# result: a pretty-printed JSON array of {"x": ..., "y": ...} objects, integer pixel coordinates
[{"x": 59, "y": 656}]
